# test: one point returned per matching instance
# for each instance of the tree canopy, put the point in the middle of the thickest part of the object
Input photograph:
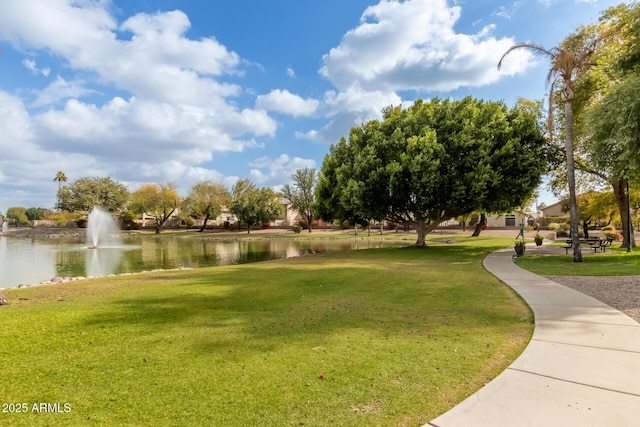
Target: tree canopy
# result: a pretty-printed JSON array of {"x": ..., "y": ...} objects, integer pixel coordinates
[
  {"x": 301, "y": 194},
  {"x": 434, "y": 161},
  {"x": 607, "y": 109},
  {"x": 86, "y": 193},
  {"x": 158, "y": 201},
  {"x": 17, "y": 214},
  {"x": 254, "y": 205},
  {"x": 206, "y": 200}
]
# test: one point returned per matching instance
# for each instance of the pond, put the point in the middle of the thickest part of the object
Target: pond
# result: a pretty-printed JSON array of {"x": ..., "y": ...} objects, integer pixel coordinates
[{"x": 35, "y": 260}]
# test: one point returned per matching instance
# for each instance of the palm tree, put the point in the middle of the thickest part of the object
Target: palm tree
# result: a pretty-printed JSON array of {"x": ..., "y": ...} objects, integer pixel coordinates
[
  {"x": 60, "y": 178},
  {"x": 572, "y": 57}
]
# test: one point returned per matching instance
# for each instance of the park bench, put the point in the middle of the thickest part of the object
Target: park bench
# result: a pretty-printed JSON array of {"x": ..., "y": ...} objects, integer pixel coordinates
[{"x": 594, "y": 243}]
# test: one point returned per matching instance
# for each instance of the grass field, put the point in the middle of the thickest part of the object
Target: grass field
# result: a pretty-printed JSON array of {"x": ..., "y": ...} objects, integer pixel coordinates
[
  {"x": 615, "y": 262},
  {"x": 375, "y": 337}
]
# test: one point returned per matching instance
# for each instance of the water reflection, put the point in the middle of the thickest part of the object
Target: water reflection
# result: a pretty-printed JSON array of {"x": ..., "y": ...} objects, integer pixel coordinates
[
  {"x": 103, "y": 261},
  {"x": 28, "y": 261}
]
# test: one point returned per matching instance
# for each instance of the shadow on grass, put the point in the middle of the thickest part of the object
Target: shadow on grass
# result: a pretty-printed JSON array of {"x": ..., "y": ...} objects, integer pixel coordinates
[{"x": 424, "y": 291}]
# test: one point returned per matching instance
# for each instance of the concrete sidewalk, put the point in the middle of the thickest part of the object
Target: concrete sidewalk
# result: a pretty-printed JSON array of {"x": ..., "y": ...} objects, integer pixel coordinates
[{"x": 581, "y": 368}]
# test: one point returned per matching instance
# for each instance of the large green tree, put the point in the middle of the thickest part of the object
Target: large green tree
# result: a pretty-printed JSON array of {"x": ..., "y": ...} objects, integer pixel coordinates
[
  {"x": 302, "y": 193},
  {"x": 206, "y": 200},
  {"x": 84, "y": 194},
  {"x": 158, "y": 201},
  {"x": 253, "y": 205},
  {"x": 573, "y": 56},
  {"x": 610, "y": 113},
  {"x": 434, "y": 161}
]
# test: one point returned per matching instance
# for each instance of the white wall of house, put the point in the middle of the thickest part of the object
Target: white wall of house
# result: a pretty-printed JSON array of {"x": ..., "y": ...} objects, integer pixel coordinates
[{"x": 513, "y": 219}]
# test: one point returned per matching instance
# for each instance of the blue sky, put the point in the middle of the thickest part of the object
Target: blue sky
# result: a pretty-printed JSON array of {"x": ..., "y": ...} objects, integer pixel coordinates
[{"x": 182, "y": 91}]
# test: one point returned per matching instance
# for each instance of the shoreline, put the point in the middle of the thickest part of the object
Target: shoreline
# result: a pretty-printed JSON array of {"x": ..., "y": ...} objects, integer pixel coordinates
[{"x": 61, "y": 280}]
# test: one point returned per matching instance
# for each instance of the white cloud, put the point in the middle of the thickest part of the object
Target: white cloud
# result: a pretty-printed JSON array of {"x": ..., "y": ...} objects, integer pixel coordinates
[
  {"x": 412, "y": 45},
  {"x": 271, "y": 172},
  {"x": 347, "y": 109},
  {"x": 508, "y": 11},
  {"x": 174, "y": 101},
  {"x": 290, "y": 72},
  {"x": 61, "y": 89},
  {"x": 31, "y": 65},
  {"x": 286, "y": 102}
]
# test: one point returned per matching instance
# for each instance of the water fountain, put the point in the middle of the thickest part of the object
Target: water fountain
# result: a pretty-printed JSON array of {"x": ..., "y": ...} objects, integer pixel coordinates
[{"x": 102, "y": 229}]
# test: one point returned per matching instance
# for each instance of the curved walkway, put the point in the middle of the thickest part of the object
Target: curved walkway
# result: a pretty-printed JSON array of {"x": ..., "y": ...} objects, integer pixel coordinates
[{"x": 581, "y": 367}]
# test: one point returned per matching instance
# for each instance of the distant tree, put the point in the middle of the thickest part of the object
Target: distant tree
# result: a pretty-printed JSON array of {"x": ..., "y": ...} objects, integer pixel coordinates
[
  {"x": 60, "y": 178},
  {"x": 302, "y": 193},
  {"x": 206, "y": 200},
  {"x": 593, "y": 208},
  {"x": 253, "y": 205},
  {"x": 158, "y": 201},
  {"x": 84, "y": 194},
  {"x": 37, "y": 213},
  {"x": 17, "y": 215},
  {"x": 434, "y": 161}
]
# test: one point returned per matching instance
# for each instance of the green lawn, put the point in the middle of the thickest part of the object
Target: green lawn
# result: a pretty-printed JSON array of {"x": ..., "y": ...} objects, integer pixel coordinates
[
  {"x": 614, "y": 262},
  {"x": 376, "y": 337}
]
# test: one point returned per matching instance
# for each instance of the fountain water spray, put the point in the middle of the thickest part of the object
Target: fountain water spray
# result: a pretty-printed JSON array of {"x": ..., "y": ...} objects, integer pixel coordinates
[{"x": 102, "y": 230}]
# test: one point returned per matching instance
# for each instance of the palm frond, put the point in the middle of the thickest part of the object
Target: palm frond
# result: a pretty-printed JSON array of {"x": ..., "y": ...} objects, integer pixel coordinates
[{"x": 536, "y": 49}]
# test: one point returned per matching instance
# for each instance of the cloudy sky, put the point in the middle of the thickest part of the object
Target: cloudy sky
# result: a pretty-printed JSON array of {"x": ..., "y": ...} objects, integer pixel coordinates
[{"x": 182, "y": 91}]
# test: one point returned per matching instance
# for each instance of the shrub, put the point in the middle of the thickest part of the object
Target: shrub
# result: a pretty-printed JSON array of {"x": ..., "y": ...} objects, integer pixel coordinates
[
  {"x": 554, "y": 226},
  {"x": 297, "y": 229},
  {"x": 303, "y": 223}
]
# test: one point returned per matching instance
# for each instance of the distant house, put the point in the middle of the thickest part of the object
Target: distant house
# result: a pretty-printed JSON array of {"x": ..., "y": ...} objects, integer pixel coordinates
[
  {"x": 289, "y": 216},
  {"x": 554, "y": 210},
  {"x": 513, "y": 219}
]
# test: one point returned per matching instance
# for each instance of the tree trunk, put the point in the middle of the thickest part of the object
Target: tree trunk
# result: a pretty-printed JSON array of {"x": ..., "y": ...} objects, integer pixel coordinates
[
  {"x": 573, "y": 207},
  {"x": 585, "y": 229},
  {"x": 479, "y": 225},
  {"x": 309, "y": 219},
  {"x": 620, "y": 193},
  {"x": 204, "y": 224},
  {"x": 248, "y": 228},
  {"x": 422, "y": 233}
]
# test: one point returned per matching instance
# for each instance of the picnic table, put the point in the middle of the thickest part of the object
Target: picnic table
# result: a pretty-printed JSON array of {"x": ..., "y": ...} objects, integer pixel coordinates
[{"x": 594, "y": 243}]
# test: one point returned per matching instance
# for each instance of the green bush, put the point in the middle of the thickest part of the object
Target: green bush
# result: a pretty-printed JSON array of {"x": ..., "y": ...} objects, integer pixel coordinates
[{"x": 297, "y": 229}]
